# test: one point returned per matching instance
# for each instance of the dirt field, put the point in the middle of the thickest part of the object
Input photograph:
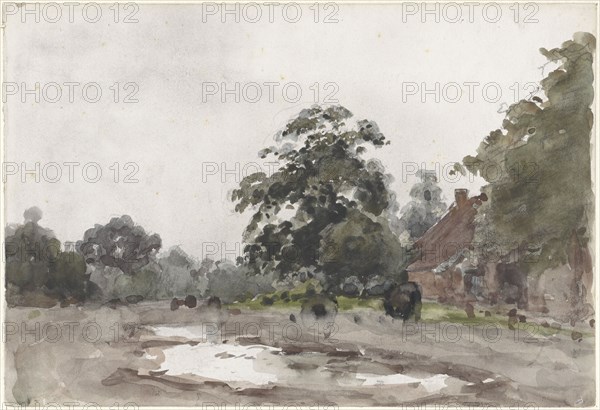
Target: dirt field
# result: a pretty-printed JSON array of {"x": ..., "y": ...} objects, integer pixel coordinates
[{"x": 148, "y": 355}]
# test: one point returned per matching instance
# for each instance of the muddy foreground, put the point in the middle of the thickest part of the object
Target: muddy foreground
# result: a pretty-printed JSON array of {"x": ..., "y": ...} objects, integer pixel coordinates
[{"x": 148, "y": 355}]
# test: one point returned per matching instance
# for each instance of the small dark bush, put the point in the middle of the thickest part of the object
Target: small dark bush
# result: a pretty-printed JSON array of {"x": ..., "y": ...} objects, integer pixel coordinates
[
  {"x": 319, "y": 307},
  {"x": 403, "y": 301},
  {"x": 267, "y": 301},
  {"x": 318, "y": 310},
  {"x": 190, "y": 301}
]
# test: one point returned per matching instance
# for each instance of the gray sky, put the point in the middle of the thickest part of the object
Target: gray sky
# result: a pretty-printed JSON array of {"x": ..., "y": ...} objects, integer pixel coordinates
[{"x": 380, "y": 57}]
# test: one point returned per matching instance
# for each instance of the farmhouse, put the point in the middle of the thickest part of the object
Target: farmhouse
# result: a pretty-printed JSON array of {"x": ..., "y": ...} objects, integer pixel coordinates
[
  {"x": 449, "y": 271},
  {"x": 446, "y": 267}
]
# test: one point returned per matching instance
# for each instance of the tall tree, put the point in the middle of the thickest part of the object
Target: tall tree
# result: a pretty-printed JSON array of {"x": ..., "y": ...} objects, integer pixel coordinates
[
  {"x": 538, "y": 166},
  {"x": 122, "y": 257},
  {"x": 120, "y": 244},
  {"x": 324, "y": 203}
]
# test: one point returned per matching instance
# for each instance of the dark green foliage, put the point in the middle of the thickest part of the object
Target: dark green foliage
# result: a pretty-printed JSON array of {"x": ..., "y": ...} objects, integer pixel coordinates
[
  {"x": 123, "y": 259},
  {"x": 538, "y": 166},
  {"x": 358, "y": 247},
  {"x": 335, "y": 204},
  {"x": 67, "y": 275},
  {"x": 120, "y": 244},
  {"x": 36, "y": 265},
  {"x": 403, "y": 301},
  {"x": 267, "y": 301}
]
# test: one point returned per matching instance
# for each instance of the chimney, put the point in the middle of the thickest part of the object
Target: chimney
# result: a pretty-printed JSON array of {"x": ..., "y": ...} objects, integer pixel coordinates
[{"x": 461, "y": 196}]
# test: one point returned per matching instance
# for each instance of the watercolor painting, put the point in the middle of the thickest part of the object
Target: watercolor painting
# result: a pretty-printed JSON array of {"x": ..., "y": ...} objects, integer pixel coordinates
[{"x": 321, "y": 205}]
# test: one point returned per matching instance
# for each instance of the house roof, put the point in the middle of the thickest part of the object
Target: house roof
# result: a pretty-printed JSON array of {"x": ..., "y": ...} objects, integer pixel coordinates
[{"x": 450, "y": 236}]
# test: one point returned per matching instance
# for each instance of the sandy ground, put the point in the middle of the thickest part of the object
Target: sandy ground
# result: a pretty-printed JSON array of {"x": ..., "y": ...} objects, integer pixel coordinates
[{"x": 148, "y": 355}]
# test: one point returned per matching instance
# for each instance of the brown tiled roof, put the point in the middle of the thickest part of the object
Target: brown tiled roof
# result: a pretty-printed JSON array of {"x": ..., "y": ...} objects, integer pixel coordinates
[{"x": 450, "y": 235}]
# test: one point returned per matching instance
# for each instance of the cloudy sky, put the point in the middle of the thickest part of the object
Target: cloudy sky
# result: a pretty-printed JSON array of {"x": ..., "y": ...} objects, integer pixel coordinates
[{"x": 167, "y": 120}]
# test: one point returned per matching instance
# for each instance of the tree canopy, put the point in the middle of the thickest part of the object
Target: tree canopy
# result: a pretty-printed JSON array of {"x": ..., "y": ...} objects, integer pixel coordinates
[
  {"x": 538, "y": 166},
  {"x": 120, "y": 244},
  {"x": 323, "y": 203}
]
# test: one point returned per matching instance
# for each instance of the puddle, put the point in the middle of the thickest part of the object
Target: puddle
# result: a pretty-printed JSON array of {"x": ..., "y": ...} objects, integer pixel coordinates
[
  {"x": 189, "y": 332},
  {"x": 431, "y": 384},
  {"x": 255, "y": 364},
  {"x": 224, "y": 362}
]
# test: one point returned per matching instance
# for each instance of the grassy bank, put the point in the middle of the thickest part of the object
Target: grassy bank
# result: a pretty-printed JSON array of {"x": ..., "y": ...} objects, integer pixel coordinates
[{"x": 431, "y": 312}]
